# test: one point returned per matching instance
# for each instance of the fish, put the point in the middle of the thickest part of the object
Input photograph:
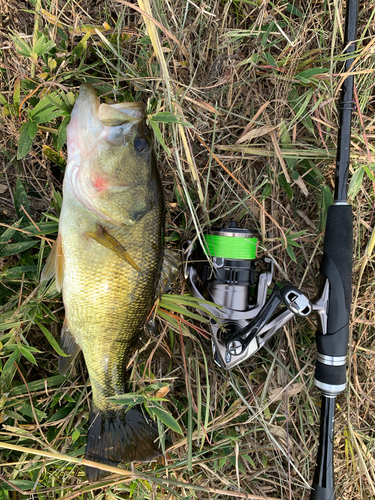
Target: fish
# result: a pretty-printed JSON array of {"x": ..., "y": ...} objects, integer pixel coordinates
[{"x": 107, "y": 260}]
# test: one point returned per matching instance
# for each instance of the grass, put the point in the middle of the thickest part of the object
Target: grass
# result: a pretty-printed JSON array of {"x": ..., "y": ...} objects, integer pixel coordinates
[{"x": 241, "y": 96}]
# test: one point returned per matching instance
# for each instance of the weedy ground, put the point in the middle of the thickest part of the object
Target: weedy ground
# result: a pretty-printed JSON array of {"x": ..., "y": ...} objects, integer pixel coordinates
[{"x": 242, "y": 98}]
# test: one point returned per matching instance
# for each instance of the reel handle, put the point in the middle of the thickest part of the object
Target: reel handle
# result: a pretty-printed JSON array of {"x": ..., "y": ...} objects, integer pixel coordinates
[{"x": 283, "y": 293}]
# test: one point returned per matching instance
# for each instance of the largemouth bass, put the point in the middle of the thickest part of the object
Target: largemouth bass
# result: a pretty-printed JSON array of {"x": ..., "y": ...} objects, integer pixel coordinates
[{"x": 107, "y": 260}]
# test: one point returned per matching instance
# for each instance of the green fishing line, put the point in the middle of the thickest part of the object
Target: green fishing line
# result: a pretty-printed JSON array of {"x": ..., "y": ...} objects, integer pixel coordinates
[{"x": 229, "y": 247}]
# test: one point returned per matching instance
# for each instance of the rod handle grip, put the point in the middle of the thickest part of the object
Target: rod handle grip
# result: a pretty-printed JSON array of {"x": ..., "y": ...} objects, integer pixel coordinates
[
  {"x": 320, "y": 493},
  {"x": 337, "y": 264}
]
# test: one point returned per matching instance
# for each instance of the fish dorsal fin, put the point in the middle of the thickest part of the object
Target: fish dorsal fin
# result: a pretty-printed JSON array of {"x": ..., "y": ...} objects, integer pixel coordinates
[
  {"x": 168, "y": 275},
  {"x": 108, "y": 241},
  {"x": 55, "y": 264},
  {"x": 169, "y": 271},
  {"x": 69, "y": 345}
]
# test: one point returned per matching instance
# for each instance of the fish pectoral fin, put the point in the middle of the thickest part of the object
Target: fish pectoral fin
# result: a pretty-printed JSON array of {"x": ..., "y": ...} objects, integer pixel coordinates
[
  {"x": 55, "y": 264},
  {"x": 103, "y": 238},
  {"x": 69, "y": 345}
]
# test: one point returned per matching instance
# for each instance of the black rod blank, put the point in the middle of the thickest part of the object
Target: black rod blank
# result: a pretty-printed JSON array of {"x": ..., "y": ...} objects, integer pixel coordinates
[
  {"x": 346, "y": 105},
  {"x": 336, "y": 268},
  {"x": 323, "y": 484}
]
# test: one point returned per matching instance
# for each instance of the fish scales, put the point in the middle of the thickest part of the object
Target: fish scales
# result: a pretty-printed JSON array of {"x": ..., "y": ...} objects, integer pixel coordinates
[
  {"x": 106, "y": 300},
  {"x": 107, "y": 260}
]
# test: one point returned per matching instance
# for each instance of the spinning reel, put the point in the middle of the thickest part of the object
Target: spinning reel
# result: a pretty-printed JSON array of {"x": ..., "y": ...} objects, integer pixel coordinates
[{"x": 246, "y": 318}]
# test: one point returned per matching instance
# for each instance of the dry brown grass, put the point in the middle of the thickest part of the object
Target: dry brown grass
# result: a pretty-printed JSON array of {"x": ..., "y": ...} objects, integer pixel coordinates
[{"x": 232, "y": 70}]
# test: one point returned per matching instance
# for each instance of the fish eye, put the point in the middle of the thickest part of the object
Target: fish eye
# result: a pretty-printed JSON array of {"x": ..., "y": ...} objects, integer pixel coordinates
[{"x": 140, "y": 145}]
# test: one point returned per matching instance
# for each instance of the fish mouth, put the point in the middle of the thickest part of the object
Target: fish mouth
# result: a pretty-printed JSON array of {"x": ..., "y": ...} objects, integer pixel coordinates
[
  {"x": 87, "y": 101},
  {"x": 88, "y": 107},
  {"x": 84, "y": 124},
  {"x": 91, "y": 121}
]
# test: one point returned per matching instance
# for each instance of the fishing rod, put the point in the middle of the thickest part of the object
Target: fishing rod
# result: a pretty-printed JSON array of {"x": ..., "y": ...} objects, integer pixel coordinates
[
  {"x": 248, "y": 316},
  {"x": 332, "y": 335}
]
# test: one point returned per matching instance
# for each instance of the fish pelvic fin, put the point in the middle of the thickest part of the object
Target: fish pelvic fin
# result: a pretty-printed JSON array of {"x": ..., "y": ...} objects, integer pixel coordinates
[
  {"x": 69, "y": 345},
  {"x": 55, "y": 264},
  {"x": 102, "y": 237},
  {"x": 116, "y": 436}
]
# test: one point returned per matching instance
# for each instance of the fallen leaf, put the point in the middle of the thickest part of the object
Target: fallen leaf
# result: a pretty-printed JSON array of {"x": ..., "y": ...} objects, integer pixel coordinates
[
  {"x": 279, "y": 392},
  {"x": 162, "y": 392},
  {"x": 257, "y": 132},
  {"x": 306, "y": 219},
  {"x": 301, "y": 184},
  {"x": 279, "y": 432},
  {"x": 203, "y": 104}
]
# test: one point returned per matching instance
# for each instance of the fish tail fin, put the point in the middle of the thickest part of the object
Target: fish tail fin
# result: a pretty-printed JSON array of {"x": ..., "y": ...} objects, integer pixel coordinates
[{"x": 120, "y": 436}]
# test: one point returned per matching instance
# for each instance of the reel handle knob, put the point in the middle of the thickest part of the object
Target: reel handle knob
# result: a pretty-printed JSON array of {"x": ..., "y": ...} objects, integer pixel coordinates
[{"x": 295, "y": 300}]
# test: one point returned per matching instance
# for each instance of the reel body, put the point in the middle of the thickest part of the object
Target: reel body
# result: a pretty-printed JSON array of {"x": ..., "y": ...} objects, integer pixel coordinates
[{"x": 245, "y": 318}]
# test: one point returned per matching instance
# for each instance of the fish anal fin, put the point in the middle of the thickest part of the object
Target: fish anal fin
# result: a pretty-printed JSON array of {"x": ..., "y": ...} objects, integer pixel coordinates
[
  {"x": 69, "y": 345},
  {"x": 102, "y": 237},
  {"x": 55, "y": 264},
  {"x": 116, "y": 436}
]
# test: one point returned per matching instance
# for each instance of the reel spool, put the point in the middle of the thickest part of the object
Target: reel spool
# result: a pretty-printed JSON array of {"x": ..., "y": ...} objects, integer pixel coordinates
[{"x": 233, "y": 251}]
